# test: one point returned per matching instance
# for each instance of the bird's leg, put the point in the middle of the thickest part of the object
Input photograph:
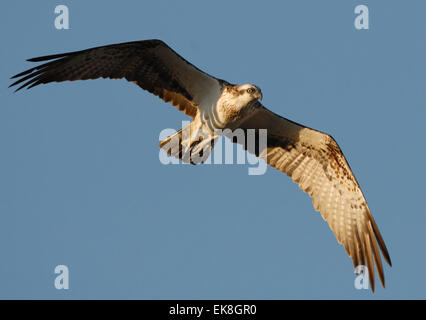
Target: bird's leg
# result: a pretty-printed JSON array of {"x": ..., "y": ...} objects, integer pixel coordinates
[
  {"x": 192, "y": 144},
  {"x": 201, "y": 143}
]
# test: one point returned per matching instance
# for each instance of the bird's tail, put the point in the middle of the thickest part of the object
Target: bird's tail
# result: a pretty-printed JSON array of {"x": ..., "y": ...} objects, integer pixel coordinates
[{"x": 192, "y": 144}]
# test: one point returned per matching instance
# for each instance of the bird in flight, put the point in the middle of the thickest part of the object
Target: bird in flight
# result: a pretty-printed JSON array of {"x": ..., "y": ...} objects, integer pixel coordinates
[{"x": 310, "y": 157}]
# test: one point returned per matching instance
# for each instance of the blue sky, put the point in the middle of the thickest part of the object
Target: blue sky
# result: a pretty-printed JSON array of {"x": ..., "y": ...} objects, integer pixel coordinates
[{"x": 81, "y": 183}]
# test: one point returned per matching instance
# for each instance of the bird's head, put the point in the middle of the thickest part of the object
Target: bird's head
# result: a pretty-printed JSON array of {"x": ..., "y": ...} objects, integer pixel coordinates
[
  {"x": 240, "y": 96},
  {"x": 249, "y": 92}
]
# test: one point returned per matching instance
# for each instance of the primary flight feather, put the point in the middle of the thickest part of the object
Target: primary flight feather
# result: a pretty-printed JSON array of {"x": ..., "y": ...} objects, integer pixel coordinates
[{"x": 310, "y": 157}]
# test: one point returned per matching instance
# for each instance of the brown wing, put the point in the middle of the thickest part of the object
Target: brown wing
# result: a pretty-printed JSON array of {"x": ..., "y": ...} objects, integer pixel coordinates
[
  {"x": 314, "y": 161},
  {"x": 151, "y": 64}
]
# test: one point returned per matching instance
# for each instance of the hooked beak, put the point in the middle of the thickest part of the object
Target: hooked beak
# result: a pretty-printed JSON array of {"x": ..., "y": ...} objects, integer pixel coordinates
[{"x": 259, "y": 95}]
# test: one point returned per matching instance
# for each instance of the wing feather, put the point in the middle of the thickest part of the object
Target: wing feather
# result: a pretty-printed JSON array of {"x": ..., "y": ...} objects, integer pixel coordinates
[
  {"x": 151, "y": 64},
  {"x": 314, "y": 161}
]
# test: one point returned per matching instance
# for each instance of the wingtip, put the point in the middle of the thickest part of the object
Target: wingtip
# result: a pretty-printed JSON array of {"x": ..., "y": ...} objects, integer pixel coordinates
[
  {"x": 389, "y": 261},
  {"x": 386, "y": 256},
  {"x": 14, "y": 91},
  {"x": 37, "y": 59},
  {"x": 15, "y": 76},
  {"x": 372, "y": 285},
  {"x": 13, "y": 84}
]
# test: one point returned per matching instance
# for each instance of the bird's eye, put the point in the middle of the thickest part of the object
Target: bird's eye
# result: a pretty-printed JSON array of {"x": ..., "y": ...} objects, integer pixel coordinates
[{"x": 250, "y": 90}]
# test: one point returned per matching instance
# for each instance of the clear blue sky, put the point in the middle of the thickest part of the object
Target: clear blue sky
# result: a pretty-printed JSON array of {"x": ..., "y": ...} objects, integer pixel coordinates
[{"x": 81, "y": 183}]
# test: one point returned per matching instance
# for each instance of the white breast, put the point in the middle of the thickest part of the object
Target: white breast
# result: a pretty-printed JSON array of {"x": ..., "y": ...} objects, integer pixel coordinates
[{"x": 213, "y": 110}]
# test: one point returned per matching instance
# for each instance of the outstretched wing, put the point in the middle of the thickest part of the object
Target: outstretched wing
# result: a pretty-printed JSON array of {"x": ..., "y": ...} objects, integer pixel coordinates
[
  {"x": 314, "y": 161},
  {"x": 151, "y": 64}
]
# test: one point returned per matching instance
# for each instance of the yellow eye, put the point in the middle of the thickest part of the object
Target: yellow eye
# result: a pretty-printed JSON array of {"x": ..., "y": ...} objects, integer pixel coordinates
[{"x": 250, "y": 90}]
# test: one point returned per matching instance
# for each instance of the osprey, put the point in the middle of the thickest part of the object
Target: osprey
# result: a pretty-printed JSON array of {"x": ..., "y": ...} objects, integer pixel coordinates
[{"x": 310, "y": 157}]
